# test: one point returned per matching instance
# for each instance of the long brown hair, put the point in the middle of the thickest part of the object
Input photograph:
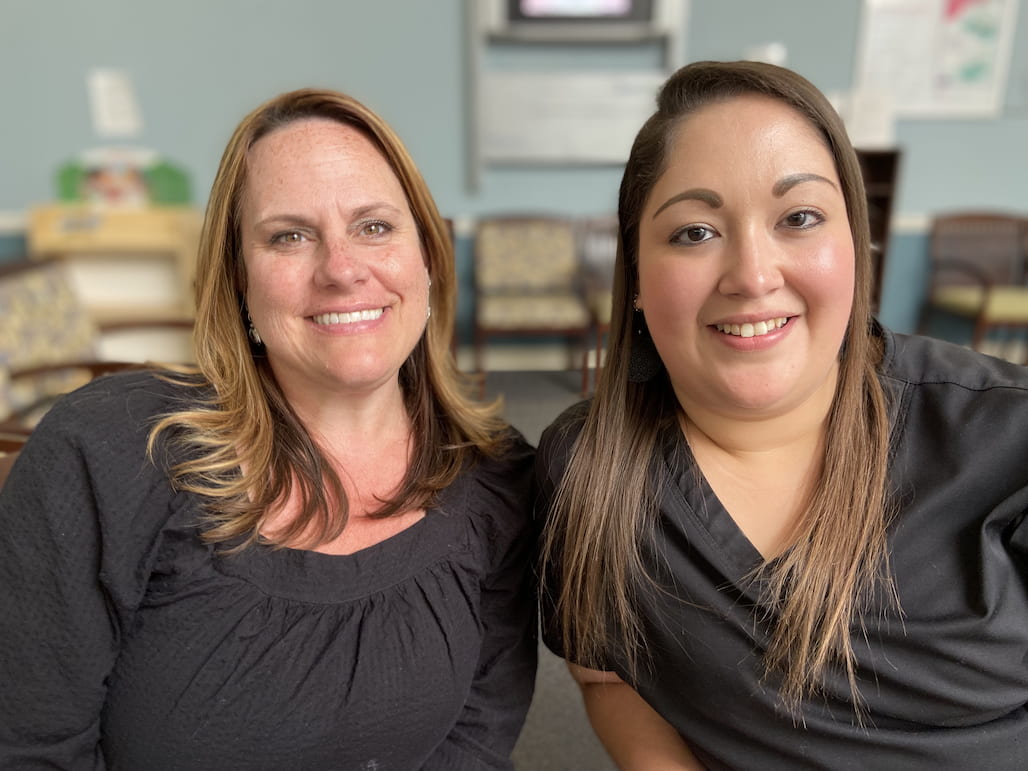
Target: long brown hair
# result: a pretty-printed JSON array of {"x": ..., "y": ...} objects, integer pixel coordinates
[
  {"x": 607, "y": 501},
  {"x": 248, "y": 423}
]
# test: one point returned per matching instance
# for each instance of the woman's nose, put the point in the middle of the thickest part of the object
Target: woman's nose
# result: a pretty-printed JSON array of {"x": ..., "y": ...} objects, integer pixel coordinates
[
  {"x": 341, "y": 262},
  {"x": 753, "y": 266}
]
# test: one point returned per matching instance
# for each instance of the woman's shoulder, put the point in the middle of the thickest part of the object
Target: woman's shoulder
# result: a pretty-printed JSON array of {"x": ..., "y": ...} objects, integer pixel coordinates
[
  {"x": 506, "y": 473},
  {"x": 559, "y": 437},
  {"x": 493, "y": 498},
  {"x": 86, "y": 463},
  {"x": 121, "y": 405},
  {"x": 951, "y": 400},
  {"x": 922, "y": 361}
]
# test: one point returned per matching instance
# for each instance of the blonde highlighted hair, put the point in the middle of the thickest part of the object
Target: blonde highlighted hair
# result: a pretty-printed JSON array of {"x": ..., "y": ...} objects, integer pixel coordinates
[{"x": 242, "y": 419}]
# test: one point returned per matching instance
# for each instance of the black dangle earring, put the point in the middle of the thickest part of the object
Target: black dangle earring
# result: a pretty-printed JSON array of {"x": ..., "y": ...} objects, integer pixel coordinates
[{"x": 643, "y": 360}]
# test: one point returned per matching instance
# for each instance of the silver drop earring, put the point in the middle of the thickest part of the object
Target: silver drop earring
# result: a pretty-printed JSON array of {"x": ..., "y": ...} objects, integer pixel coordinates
[{"x": 252, "y": 332}]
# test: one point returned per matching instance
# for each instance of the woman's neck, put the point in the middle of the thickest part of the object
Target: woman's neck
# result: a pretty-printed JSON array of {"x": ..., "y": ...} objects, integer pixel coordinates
[
  {"x": 763, "y": 469},
  {"x": 344, "y": 423},
  {"x": 741, "y": 432}
]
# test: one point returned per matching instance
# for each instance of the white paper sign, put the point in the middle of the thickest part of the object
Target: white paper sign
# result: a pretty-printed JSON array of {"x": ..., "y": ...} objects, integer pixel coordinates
[{"x": 113, "y": 103}]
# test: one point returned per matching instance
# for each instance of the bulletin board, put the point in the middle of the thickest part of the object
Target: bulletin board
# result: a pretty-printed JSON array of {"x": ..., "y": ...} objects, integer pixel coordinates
[
  {"x": 937, "y": 58},
  {"x": 552, "y": 117},
  {"x": 534, "y": 101}
]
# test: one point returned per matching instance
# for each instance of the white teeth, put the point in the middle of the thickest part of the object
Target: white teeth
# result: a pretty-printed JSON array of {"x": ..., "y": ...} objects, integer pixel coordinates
[
  {"x": 348, "y": 318},
  {"x": 757, "y": 329}
]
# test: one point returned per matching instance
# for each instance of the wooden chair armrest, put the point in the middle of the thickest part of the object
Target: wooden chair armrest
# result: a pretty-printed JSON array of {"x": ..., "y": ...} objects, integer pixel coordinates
[
  {"x": 119, "y": 325},
  {"x": 15, "y": 420},
  {"x": 95, "y": 367},
  {"x": 13, "y": 441}
]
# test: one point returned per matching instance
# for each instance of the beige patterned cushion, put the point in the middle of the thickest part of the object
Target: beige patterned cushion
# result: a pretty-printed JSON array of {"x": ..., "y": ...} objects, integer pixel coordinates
[
  {"x": 526, "y": 256},
  {"x": 43, "y": 322}
]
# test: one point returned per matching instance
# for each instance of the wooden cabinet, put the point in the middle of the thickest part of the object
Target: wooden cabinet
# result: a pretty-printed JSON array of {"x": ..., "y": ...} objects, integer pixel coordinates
[
  {"x": 126, "y": 264},
  {"x": 881, "y": 175},
  {"x": 132, "y": 269}
]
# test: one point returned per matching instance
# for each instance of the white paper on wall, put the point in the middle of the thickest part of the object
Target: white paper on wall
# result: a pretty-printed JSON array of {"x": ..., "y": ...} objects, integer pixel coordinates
[{"x": 113, "y": 104}]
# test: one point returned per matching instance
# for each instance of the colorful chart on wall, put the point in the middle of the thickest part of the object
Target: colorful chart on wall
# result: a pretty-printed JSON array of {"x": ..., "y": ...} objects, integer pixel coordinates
[{"x": 937, "y": 58}]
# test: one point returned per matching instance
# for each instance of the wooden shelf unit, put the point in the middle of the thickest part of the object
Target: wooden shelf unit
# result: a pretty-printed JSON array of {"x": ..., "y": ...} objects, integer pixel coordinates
[
  {"x": 127, "y": 264},
  {"x": 881, "y": 176}
]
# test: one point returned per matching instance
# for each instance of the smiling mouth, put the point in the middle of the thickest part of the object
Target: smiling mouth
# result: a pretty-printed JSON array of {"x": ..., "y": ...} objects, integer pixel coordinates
[
  {"x": 347, "y": 318},
  {"x": 756, "y": 329}
]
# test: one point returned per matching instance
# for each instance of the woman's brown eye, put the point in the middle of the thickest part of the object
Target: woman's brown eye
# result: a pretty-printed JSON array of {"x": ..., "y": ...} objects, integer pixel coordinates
[
  {"x": 375, "y": 228},
  {"x": 691, "y": 235},
  {"x": 804, "y": 219},
  {"x": 289, "y": 238}
]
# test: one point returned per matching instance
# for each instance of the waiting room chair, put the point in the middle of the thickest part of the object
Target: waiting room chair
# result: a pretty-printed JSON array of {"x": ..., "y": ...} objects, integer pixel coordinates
[
  {"x": 978, "y": 271},
  {"x": 49, "y": 343},
  {"x": 528, "y": 282}
]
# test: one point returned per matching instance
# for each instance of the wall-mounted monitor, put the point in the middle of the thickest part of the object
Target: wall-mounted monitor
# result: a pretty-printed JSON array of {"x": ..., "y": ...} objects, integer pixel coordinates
[
  {"x": 581, "y": 11},
  {"x": 577, "y": 19}
]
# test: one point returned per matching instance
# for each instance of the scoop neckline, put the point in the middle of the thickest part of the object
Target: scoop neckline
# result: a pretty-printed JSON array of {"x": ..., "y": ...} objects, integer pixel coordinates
[{"x": 305, "y": 575}]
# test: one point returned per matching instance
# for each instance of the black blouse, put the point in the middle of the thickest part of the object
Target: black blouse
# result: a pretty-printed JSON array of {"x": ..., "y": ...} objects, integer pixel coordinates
[
  {"x": 946, "y": 683},
  {"x": 130, "y": 643}
]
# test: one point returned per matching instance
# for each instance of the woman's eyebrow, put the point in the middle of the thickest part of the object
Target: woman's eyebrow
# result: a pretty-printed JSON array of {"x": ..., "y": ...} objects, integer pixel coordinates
[
  {"x": 785, "y": 184},
  {"x": 709, "y": 197}
]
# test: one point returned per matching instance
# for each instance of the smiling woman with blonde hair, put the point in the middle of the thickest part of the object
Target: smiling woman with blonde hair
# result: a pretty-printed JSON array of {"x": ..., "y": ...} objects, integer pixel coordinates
[
  {"x": 781, "y": 536},
  {"x": 313, "y": 552}
]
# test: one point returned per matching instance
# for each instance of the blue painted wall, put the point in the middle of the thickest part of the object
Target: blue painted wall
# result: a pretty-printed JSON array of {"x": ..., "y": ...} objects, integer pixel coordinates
[
  {"x": 903, "y": 284},
  {"x": 12, "y": 246},
  {"x": 199, "y": 65}
]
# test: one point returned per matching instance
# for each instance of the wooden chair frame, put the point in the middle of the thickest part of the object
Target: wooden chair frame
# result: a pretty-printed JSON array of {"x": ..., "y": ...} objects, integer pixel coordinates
[{"x": 986, "y": 252}]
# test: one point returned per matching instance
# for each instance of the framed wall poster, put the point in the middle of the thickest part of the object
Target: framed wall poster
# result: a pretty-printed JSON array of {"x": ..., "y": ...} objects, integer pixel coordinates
[{"x": 937, "y": 58}]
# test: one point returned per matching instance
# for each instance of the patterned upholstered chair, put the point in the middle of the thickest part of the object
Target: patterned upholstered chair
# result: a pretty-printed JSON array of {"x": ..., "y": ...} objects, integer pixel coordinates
[
  {"x": 49, "y": 344},
  {"x": 528, "y": 281},
  {"x": 979, "y": 271}
]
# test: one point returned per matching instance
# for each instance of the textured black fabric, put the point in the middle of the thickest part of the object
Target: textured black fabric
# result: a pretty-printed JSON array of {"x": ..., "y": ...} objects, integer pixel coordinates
[
  {"x": 130, "y": 644},
  {"x": 946, "y": 685}
]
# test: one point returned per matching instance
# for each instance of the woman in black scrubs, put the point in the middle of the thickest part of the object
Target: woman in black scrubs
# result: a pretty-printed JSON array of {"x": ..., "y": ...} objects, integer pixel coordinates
[{"x": 782, "y": 536}]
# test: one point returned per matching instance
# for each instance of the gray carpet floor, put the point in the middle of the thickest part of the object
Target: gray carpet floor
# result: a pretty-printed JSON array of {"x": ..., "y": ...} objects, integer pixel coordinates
[{"x": 557, "y": 735}]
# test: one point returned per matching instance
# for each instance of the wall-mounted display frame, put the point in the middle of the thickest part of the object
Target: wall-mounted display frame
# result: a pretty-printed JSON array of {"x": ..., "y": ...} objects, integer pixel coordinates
[
  {"x": 521, "y": 113},
  {"x": 572, "y": 19},
  {"x": 937, "y": 58}
]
